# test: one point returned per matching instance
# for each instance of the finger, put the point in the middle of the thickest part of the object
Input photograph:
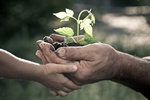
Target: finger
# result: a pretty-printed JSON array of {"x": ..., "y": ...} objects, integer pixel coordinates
[
  {"x": 46, "y": 53},
  {"x": 62, "y": 93},
  {"x": 62, "y": 68},
  {"x": 51, "y": 47},
  {"x": 50, "y": 55},
  {"x": 72, "y": 86},
  {"x": 38, "y": 54},
  {"x": 38, "y": 42},
  {"x": 52, "y": 92},
  {"x": 67, "y": 90},
  {"x": 74, "y": 81},
  {"x": 58, "y": 38},
  {"x": 74, "y": 53},
  {"x": 41, "y": 56},
  {"x": 48, "y": 39}
]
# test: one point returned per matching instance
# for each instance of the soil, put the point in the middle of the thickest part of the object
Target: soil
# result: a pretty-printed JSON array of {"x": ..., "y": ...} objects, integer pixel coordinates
[
  {"x": 62, "y": 44},
  {"x": 57, "y": 45}
]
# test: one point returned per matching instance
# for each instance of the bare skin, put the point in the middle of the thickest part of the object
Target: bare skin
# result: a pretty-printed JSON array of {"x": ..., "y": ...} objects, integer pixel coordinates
[
  {"x": 50, "y": 75},
  {"x": 146, "y": 58},
  {"x": 97, "y": 62}
]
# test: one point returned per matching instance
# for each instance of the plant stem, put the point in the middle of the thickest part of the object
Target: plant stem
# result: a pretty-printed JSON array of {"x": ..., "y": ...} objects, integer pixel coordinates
[
  {"x": 78, "y": 21},
  {"x": 74, "y": 40},
  {"x": 74, "y": 18},
  {"x": 77, "y": 28}
]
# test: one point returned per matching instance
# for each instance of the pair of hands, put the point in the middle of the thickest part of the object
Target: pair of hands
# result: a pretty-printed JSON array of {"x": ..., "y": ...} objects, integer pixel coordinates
[{"x": 94, "y": 62}]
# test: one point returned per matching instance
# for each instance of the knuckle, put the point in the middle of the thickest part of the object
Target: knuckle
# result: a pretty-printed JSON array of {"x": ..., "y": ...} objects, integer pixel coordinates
[{"x": 72, "y": 52}]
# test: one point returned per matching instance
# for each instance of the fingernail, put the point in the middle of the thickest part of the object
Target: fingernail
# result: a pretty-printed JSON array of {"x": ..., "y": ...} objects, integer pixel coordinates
[
  {"x": 74, "y": 68},
  {"x": 39, "y": 41},
  {"x": 61, "y": 52},
  {"x": 38, "y": 54}
]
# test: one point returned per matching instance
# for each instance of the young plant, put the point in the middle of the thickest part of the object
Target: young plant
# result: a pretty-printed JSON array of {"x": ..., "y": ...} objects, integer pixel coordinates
[{"x": 82, "y": 24}]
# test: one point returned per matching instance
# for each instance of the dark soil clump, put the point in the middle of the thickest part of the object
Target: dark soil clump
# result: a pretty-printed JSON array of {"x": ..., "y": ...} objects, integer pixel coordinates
[{"x": 57, "y": 45}]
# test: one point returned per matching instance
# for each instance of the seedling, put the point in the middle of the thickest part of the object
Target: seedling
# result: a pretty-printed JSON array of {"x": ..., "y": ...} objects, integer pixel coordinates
[{"x": 84, "y": 24}]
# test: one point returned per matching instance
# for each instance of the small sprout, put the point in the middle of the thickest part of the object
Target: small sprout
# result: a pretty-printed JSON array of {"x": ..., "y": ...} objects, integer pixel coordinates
[{"x": 82, "y": 24}]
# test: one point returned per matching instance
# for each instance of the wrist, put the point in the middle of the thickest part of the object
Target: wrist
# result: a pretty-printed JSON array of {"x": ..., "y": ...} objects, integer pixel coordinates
[
  {"x": 124, "y": 66},
  {"x": 120, "y": 64},
  {"x": 38, "y": 73},
  {"x": 133, "y": 72}
]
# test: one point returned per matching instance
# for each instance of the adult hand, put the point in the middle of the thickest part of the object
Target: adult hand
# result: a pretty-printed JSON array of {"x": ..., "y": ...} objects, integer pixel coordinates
[
  {"x": 95, "y": 62},
  {"x": 100, "y": 61}
]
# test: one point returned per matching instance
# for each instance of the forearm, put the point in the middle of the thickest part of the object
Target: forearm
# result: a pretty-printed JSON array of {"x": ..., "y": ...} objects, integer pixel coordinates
[
  {"x": 17, "y": 68},
  {"x": 134, "y": 73}
]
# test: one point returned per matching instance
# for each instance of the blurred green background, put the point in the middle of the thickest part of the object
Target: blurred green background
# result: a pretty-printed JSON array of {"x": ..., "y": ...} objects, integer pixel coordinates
[{"x": 123, "y": 24}]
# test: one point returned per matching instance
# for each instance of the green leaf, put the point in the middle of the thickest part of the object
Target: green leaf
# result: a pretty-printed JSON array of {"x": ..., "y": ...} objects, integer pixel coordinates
[
  {"x": 66, "y": 31},
  {"x": 88, "y": 40},
  {"x": 86, "y": 25},
  {"x": 88, "y": 29},
  {"x": 64, "y": 16},
  {"x": 83, "y": 42},
  {"x": 65, "y": 19},
  {"x": 61, "y": 15},
  {"x": 69, "y": 12},
  {"x": 92, "y": 18}
]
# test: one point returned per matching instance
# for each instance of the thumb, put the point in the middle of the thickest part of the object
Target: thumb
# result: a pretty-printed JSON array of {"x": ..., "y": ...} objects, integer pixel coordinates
[
  {"x": 72, "y": 53},
  {"x": 65, "y": 68}
]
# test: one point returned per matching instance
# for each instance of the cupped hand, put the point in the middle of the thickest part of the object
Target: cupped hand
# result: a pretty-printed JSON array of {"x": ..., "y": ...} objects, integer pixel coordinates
[
  {"x": 95, "y": 62},
  {"x": 53, "y": 76}
]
